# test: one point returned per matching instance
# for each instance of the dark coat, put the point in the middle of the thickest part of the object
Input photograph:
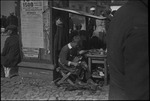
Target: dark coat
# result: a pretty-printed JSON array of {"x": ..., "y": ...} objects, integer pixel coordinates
[
  {"x": 58, "y": 42},
  {"x": 91, "y": 25},
  {"x": 127, "y": 43},
  {"x": 67, "y": 54},
  {"x": 11, "y": 54}
]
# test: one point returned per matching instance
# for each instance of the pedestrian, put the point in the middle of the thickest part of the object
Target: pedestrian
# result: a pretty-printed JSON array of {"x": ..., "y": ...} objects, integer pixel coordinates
[
  {"x": 70, "y": 25},
  {"x": 107, "y": 13},
  {"x": 3, "y": 39},
  {"x": 11, "y": 54},
  {"x": 97, "y": 40},
  {"x": 127, "y": 44},
  {"x": 91, "y": 22}
]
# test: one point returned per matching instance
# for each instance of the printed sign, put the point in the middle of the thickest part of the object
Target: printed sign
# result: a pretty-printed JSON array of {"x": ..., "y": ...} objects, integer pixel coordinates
[
  {"x": 31, "y": 52},
  {"x": 32, "y": 23}
]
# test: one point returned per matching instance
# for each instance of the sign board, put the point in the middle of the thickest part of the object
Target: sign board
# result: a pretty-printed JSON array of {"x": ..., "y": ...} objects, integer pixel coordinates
[
  {"x": 32, "y": 23},
  {"x": 31, "y": 52}
]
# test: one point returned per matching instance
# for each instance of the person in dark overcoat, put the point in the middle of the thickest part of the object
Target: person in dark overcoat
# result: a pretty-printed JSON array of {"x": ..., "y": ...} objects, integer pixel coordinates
[
  {"x": 127, "y": 44},
  {"x": 58, "y": 39},
  {"x": 11, "y": 53},
  {"x": 91, "y": 23}
]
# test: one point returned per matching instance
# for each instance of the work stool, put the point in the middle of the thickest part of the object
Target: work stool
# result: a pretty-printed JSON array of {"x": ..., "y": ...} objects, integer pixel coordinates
[{"x": 65, "y": 76}]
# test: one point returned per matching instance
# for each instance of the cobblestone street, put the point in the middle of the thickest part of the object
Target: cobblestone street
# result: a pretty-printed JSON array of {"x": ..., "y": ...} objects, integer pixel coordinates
[{"x": 23, "y": 88}]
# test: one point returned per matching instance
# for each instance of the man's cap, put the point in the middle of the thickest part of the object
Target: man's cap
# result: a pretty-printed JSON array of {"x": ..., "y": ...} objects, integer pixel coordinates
[
  {"x": 92, "y": 8},
  {"x": 11, "y": 27}
]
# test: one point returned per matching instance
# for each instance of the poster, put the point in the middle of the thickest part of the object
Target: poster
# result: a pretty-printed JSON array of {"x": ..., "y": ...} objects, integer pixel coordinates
[{"x": 32, "y": 23}]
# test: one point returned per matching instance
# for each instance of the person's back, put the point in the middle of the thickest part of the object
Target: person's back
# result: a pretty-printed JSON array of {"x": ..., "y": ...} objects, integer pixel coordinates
[
  {"x": 127, "y": 44},
  {"x": 11, "y": 54}
]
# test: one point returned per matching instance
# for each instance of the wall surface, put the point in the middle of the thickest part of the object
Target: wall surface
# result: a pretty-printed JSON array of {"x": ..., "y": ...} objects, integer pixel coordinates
[{"x": 7, "y": 7}]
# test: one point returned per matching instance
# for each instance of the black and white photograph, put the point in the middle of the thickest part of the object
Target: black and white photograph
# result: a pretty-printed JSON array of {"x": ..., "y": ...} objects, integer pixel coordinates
[{"x": 74, "y": 50}]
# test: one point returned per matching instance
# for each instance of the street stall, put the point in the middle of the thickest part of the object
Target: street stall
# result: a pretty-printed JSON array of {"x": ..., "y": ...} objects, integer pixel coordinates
[
  {"x": 94, "y": 56},
  {"x": 42, "y": 43}
]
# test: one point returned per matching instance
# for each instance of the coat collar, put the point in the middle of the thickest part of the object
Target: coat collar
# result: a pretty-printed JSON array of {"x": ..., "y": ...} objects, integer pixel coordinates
[{"x": 69, "y": 45}]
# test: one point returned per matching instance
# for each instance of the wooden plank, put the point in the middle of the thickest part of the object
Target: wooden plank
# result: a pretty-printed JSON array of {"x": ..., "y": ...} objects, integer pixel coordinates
[
  {"x": 96, "y": 56},
  {"x": 79, "y": 13},
  {"x": 37, "y": 65}
]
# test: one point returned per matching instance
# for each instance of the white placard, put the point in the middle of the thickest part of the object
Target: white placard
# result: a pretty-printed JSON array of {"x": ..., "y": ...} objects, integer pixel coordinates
[
  {"x": 32, "y": 23},
  {"x": 31, "y": 52}
]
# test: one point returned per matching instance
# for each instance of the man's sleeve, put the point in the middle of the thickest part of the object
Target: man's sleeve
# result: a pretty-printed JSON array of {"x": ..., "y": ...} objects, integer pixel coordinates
[{"x": 137, "y": 64}]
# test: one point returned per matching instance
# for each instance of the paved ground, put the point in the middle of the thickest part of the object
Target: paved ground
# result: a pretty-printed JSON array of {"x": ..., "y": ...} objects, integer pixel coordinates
[{"x": 23, "y": 88}]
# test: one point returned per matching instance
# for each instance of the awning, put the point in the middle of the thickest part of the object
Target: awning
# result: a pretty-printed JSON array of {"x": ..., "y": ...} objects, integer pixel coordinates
[{"x": 80, "y": 13}]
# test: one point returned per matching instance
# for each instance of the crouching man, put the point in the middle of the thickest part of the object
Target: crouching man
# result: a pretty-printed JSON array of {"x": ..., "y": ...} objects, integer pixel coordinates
[{"x": 68, "y": 57}]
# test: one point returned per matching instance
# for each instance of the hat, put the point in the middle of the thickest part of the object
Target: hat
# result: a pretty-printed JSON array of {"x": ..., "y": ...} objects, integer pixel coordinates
[
  {"x": 11, "y": 27},
  {"x": 92, "y": 8}
]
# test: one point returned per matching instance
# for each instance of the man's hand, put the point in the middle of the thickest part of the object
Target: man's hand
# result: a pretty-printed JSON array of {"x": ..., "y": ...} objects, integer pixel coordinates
[
  {"x": 74, "y": 63},
  {"x": 82, "y": 52},
  {"x": 72, "y": 70}
]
